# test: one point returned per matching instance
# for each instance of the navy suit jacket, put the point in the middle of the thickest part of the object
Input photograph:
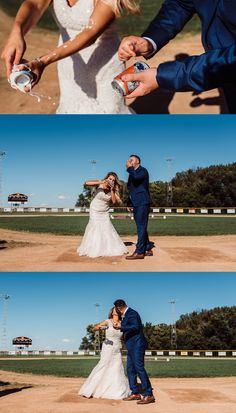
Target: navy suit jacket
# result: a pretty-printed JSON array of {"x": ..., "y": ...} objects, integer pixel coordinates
[
  {"x": 214, "y": 68},
  {"x": 132, "y": 329},
  {"x": 138, "y": 186}
]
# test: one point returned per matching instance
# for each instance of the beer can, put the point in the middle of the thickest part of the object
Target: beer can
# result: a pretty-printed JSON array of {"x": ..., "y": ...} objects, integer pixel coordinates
[
  {"x": 20, "y": 79},
  {"x": 125, "y": 88}
]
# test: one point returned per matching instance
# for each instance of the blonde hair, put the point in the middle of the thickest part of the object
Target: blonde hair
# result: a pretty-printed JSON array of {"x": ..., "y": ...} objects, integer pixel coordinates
[
  {"x": 110, "y": 314},
  {"x": 118, "y": 6}
]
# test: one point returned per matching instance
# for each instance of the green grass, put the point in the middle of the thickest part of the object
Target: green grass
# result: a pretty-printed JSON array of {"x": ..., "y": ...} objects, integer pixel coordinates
[
  {"x": 75, "y": 225},
  {"x": 82, "y": 368},
  {"x": 127, "y": 25}
]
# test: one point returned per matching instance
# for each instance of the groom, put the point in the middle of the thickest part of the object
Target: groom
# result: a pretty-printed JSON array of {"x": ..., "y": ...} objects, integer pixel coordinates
[
  {"x": 138, "y": 188},
  {"x": 132, "y": 329},
  {"x": 214, "y": 68}
]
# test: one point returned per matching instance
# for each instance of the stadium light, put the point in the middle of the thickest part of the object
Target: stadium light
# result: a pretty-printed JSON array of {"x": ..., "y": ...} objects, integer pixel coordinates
[
  {"x": 2, "y": 154},
  {"x": 173, "y": 336},
  {"x": 169, "y": 195}
]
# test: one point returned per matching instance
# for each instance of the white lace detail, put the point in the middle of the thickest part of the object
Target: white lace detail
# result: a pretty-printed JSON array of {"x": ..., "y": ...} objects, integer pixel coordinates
[
  {"x": 100, "y": 238},
  {"x": 108, "y": 380},
  {"x": 85, "y": 77}
]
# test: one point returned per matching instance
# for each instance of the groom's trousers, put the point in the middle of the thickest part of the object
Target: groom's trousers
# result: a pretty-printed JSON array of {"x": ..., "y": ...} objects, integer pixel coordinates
[
  {"x": 135, "y": 367},
  {"x": 141, "y": 214}
]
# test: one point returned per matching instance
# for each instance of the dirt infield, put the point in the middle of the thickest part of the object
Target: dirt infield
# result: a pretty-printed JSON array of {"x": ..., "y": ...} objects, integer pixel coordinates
[
  {"x": 44, "y": 394},
  {"x": 41, "y": 41},
  {"x": 23, "y": 251}
]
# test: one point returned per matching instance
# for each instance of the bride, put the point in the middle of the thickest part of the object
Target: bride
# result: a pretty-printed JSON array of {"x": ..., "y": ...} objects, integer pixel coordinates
[
  {"x": 107, "y": 380},
  {"x": 101, "y": 238},
  {"x": 86, "y": 54}
]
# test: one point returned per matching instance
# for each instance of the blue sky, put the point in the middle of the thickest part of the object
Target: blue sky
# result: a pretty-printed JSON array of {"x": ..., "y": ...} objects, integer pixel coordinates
[
  {"x": 54, "y": 308},
  {"x": 48, "y": 157}
]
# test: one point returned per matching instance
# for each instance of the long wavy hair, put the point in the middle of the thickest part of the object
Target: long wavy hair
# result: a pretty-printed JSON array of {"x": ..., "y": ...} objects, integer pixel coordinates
[
  {"x": 118, "y": 6},
  {"x": 117, "y": 184},
  {"x": 110, "y": 314}
]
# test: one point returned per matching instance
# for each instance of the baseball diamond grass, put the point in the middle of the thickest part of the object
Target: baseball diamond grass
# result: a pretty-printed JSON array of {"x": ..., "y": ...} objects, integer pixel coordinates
[
  {"x": 127, "y": 25},
  {"x": 82, "y": 368},
  {"x": 172, "y": 225}
]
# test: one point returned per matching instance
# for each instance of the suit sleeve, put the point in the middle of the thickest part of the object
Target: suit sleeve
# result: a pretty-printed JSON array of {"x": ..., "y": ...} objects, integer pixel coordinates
[
  {"x": 170, "y": 20},
  {"x": 139, "y": 174},
  {"x": 132, "y": 324},
  {"x": 198, "y": 73}
]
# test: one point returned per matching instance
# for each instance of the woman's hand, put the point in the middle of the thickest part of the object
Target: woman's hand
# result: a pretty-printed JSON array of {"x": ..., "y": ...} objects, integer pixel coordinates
[
  {"x": 110, "y": 184},
  {"x": 37, "y": 67},
  {"x": 13, "y": 50},
  {"x": 117, "y": 326}
]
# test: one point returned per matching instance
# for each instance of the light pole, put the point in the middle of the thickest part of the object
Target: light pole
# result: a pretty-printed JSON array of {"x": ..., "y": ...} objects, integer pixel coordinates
[
  {"x": 4, "y": 298},
  {"x": 169, "y": 195},
  {"x": 2, "y": 154},
  {"x": 93, "y": 163},
  {"x": 97, "y": 335},
  {"x": 173, "y": 337}
]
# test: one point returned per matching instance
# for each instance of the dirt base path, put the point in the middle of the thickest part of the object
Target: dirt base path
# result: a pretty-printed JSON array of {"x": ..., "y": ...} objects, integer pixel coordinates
[
  {"x": 25, "y": 251},
  {"x": 41, "y": 41},
  {"x": 60, "y": 395}
]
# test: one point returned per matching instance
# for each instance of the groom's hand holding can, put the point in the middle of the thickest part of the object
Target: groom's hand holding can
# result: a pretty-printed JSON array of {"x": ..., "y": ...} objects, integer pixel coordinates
[{"x": 128, "y": 163}]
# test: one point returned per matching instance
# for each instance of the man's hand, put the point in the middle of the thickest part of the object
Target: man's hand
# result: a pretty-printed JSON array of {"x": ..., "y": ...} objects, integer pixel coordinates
[
  {"x": 128, "y": 163},
  {"x": 147, "y": 82},
  {"x": 132, "y": 46}
]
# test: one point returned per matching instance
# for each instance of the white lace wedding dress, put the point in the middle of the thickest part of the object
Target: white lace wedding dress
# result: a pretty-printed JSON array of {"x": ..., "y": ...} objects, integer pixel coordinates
[
  {"x": 100, "y": 238},
  {"x": 107, "y": 380},
  {"x": 85, "y": 77}
]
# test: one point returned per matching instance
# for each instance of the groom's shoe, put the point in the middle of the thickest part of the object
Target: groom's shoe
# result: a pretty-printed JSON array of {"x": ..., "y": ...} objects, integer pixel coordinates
[
  {"x": 132, "y": 397},
  {"x": 146, "y": 400},
  {"x": 148, "y": 253},
  {"x": 135, "y": 256}
]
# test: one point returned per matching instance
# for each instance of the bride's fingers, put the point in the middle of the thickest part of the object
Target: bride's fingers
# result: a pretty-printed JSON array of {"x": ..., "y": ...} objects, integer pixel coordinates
[
  {"x": 9, "y": 58},
  {"x": 18, "y": 57}
]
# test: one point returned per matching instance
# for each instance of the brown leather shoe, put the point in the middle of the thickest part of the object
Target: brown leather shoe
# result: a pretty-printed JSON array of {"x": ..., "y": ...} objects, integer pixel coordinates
[
  {"x": 148, "y": 253},
  {"x": 146, "y": 400},
  {"x": 135, "y": 256},
  {"x": 132, "y": 397}
]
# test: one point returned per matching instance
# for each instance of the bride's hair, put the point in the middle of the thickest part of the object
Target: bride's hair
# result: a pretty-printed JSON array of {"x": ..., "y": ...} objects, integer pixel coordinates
[
  {"x": 118, "y": 6},
  {"x": 117, "y": 184},
  {"x": 110, "y": 314}
]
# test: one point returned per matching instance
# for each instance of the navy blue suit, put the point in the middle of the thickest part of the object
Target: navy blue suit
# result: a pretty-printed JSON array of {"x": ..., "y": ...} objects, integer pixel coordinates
[
  {"x": 214, "y": 68},
  {"x": 138, "y": 187},
  {"x": 132, "y": 329}
]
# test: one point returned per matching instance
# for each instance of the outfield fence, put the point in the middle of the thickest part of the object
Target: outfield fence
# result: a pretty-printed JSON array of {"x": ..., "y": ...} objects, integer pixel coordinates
[
  {"x": 123, "y": 210},
  {"x": 148, "y": 353}
]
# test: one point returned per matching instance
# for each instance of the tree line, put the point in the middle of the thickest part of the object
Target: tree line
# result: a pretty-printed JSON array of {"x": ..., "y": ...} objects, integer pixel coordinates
[
  {"x": 213, "y": 329},
  {"x": 213, "y": 186}
]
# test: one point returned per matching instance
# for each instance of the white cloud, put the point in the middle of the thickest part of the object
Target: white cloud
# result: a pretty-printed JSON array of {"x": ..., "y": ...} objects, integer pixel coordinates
[
  {"x": 63, "y": 197},
  {"x": 66, "y": 340}
]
